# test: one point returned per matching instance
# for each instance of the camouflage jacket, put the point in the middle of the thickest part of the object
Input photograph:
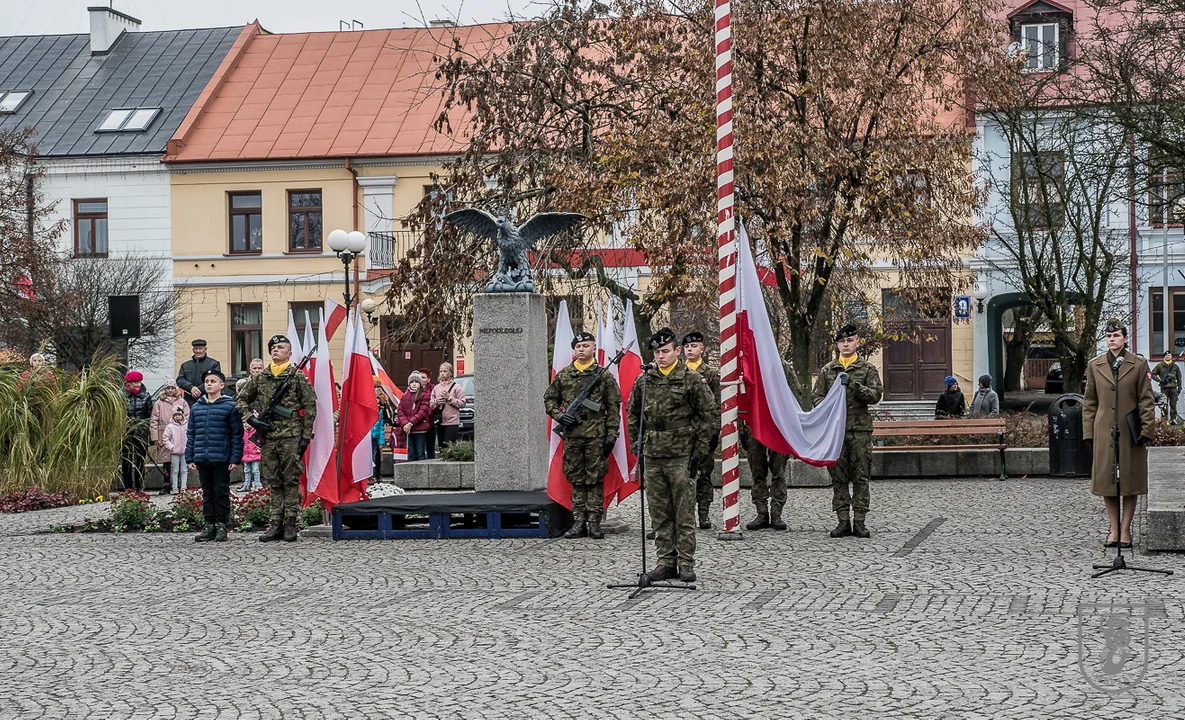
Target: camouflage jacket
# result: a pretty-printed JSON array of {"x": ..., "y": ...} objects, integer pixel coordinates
[
  {"x": 257, "y": 394},
  {"x": 864, "y": 389},
  {"x": 1168, "y": 375},
  {"x": 711, "y": 429},
  {"x": 677, "y": 408},
  {"x": 568, "y": 383}
]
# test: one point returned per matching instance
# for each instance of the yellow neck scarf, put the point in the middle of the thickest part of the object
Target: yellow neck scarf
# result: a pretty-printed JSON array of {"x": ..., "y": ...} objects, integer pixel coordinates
[
  {"x": 847, "y": 361},
  {"x": 668, "y": 370},
  {"x": 695, "y": 365},
  {"x": 277, "y": 369},
  {"x": 581, "y": 367}
]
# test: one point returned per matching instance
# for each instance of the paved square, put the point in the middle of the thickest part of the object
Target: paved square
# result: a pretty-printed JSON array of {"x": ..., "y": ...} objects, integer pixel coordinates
[{"x": 963, "y": 605}]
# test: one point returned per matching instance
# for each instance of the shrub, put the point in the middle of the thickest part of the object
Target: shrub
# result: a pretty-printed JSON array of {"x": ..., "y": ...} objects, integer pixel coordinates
[
  {"x": 34, "y": 499},
  {"x": 132, "y": 510},
  {"x": 313, "y": 514},
  {"x": 252, "y": 509},
  {"x": 459, "y": 451},
  {"x": 1168, "y": 435},
  {"x": 186, "y": 507}
]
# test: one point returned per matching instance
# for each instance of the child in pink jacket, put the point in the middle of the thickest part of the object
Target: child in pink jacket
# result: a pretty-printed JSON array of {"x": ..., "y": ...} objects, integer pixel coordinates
[{"x": 173, "y": 439}]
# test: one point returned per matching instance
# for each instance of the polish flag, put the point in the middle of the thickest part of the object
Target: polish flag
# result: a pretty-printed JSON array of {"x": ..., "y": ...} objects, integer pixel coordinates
[
  {"x": 309, "y": 341},
  {"x": 294, "y": 340},
  {"x": 771, "y": 410},
  {"x": 335, "y": 315},
  {"x": 602, "y": 356},
  {"x": 618, "y": 474},
  {"x": 558, "y": 487},
  {"x": 320, "y": 459},
  {"x": 628, "y": 372},
  {"x": 359, "y": 413},
  {"x": 393, "y": 393}
]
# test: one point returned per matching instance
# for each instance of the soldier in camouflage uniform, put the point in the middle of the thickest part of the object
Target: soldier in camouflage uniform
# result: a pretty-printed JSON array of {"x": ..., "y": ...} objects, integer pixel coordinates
[
  {"x": 855, "y": 461},
  {"x": 282, "y": 449},
  {"x": 701, "y": 467},
  {"x": 768, "y": 469},
  {"x": 589, "y": 435},
  {"x": 678, "y": 404}
]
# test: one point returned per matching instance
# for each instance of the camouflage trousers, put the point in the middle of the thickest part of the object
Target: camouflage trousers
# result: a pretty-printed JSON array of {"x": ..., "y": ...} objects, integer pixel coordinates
[
  {"x": 280, "y": 468},
  {"x": 704, "y": 492},
  {"x": 854, "y": 466},
  {"x": 671, "y": 497},
  {"x": 769, "y": 476},
  {"x": 1171, "y": 395},
  {"x": 585, "y": 467}
]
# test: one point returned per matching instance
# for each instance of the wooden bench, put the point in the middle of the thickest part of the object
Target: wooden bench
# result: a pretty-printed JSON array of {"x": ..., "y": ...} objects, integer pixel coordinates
[{"x": 952, "y": 426}]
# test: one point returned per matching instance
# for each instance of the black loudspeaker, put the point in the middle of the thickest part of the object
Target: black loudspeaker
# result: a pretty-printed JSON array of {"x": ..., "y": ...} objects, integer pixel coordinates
[{"x": 123, "y": 316}]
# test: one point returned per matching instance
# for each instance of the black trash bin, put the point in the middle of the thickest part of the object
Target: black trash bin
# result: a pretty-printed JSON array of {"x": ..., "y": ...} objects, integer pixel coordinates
[{"x": 1069, "y": 455}]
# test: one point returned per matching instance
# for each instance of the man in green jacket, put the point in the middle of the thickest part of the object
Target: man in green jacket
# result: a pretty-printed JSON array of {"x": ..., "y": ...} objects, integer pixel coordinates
[
  {"x": 589, "y": 435},
  {"x": 855, "y": 461},
  {"x": 282, "y": 449},
  {"x": 678, "y": 404},
  {"x": 1168, "y": 375}
]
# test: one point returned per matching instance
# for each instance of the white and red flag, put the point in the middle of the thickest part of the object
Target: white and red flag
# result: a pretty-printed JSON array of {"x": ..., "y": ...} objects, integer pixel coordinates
[
  {"x": 628, "y": 371},
  {"x": 359, "y": 413},
  {"x": 308, "y": 342},
  {"x": 320, "y": 460},
  {"x": 294, "y": 340},
  {"x": 558, "y": 487},
  {"x": 771, "y": 410},
  {"x": 389, "y": 389},
  {"x": 617, "y": 483},
  {"x": 335, "y": 315}
]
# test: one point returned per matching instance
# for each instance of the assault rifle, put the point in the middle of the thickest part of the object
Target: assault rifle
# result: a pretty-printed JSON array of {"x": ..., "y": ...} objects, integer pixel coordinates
[
  {"x": 572, "y": 417},
  {"x": 265, "y": 422}
]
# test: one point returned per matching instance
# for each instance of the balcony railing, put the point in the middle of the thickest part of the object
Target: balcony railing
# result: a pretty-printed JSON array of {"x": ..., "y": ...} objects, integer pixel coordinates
[{"x": 388, "y": 248}]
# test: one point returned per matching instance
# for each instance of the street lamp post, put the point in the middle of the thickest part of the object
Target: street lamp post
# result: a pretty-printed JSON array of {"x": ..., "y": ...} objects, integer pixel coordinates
[{"x": 348, "y": 246}]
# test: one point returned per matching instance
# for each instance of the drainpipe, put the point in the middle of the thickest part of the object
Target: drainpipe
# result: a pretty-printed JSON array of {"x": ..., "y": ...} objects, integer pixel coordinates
[
  {"x": 353, "y": 172},
  {"x": 1131, "y": 222}
]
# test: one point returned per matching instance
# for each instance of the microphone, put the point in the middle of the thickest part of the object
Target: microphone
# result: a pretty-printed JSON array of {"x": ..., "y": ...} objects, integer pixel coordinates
[
  {"x": 1118, "y": 362},
  {"x": 648, "y": 366}
]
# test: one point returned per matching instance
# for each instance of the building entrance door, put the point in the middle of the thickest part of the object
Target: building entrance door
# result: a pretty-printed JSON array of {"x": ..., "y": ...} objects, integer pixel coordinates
[{"x": 917, "y": 362}]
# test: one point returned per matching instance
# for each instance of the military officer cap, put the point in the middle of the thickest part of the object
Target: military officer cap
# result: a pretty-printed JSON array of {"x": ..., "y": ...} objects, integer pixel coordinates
[
  {"x": 276, "y": 340},
  {"x": 216, "y": 373},
  {"x": 693, "y": 336},
  {"x": 583, "y": 337},
  {"x": 846, "y": 331},
  {"x": 665, "y": 336},
  {"x": 1114, "y": 326}
]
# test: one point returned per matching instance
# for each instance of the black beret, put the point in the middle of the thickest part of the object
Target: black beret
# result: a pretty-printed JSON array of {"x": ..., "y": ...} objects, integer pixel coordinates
[
  {"x": 583, "y": 337},
  {"x": 198, "y": 343},
  {"x": 216, "y": 373},
  {"x": 693, "y": 336},
  {"x": 1114, "y": 326},
  {"x": 665, "y": 336},
  {"x": 846, "y": 331},
  {"x": 276, "y": 339}
]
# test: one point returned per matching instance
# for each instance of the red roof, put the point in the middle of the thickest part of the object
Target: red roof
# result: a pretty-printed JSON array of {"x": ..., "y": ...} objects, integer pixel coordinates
[{"x": 367, "y": 93}]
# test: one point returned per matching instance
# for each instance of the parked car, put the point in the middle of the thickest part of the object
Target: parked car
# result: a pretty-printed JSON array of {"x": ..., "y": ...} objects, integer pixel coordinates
[
  {"x": 1053, "y": 380},
  {"x": 466, "y": 431}
]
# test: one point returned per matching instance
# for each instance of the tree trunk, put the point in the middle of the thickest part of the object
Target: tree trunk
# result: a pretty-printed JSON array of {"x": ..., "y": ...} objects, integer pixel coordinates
[
  {"x": 800, "y": 356},
  {"x": 1073, "y": 369},
  {"x": 1016, "y": 350}
]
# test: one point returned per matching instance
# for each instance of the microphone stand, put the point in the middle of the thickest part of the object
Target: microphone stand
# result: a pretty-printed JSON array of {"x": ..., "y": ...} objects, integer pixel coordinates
[
  {"x": 1119, "y": 563},
  {"x": 644, "y": 583}
]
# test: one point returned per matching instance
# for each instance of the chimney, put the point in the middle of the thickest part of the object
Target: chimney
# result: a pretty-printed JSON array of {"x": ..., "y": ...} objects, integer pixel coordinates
[
  {"x": 442, "y": 23},
  {"x": 107, "y": 26}
]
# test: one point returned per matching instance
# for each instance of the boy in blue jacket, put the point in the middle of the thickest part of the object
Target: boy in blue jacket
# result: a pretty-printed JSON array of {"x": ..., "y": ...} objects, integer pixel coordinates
[{"x": 215, "y": 448}]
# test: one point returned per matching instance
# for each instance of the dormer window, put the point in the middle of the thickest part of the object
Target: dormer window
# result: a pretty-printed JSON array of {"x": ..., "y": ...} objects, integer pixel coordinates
[
  {"x": 10, "y": 101},
  {"x": 1041, "y": 33},
  {"x": 128, "y": 120},
  {"x": 1039, "y": 42}
]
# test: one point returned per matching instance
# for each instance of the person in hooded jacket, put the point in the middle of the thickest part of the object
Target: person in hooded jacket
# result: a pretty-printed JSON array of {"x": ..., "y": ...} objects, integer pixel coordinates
[
  {"x": 985, "y": 403},
  {"x": 138, "y": 407},
  {"x": 951, "y": 403}
]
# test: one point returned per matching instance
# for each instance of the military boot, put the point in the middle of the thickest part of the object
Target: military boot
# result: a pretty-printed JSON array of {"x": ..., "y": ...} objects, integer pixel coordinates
[
  {"x": 274, "y": 532},
  {"x": 762, "y": 520},
  {"x": 594, "y": 530},
  {"x": 662, "y": 572},
  {"x": 704, "y": 522},
  {"x": 858, "y": 528},
  {"x": 578, "y": 527},
  {"x": 775, "y": 518},
  {"x": 220, "y": 535},
  {"x": 651, "y": 535},
  {"x": 687, "y": 573},
  {"x": 290, "y": 533},
  {"x": 844, "y": 528},
  {"x": 208, "y": 534}
]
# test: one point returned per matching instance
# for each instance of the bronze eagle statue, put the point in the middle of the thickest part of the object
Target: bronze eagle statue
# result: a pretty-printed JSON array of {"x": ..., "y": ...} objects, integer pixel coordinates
[{"x": 513, "y": 273}]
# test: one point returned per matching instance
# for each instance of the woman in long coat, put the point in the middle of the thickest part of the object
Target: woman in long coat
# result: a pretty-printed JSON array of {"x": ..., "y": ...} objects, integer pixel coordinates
[{"x": 1135, "y": 395}]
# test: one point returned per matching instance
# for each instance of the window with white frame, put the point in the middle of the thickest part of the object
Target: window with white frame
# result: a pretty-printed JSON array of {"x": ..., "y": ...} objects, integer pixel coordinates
[
  {"x": 1040, "y": 44},
  {"x": 128, "y": 120},
  {"x": 10, "y": 101}
]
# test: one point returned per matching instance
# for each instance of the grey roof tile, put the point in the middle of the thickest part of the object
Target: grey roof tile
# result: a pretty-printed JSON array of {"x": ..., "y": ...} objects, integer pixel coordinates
[{"x": 73, "y": 91}]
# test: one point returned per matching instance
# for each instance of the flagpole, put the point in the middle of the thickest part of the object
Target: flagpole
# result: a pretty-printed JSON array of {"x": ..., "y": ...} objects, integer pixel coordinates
[{"x": 727, "y": 245}]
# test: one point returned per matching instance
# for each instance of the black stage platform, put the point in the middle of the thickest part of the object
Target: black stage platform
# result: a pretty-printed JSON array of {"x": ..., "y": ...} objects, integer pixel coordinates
[{"x": 441, "y": 516}]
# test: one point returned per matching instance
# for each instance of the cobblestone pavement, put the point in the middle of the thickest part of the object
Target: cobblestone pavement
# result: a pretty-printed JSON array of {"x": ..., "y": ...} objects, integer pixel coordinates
[{"x": 963, "y": 605}]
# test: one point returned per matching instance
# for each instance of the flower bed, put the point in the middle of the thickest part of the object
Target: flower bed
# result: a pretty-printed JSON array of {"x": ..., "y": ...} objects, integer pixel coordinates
[
  {"x": 34, "y": 499},
  {"x": 133, "y": 511}
]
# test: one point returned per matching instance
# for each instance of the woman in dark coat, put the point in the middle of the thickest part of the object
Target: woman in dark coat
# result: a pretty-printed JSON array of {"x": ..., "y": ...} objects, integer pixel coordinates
[
  {"x": 138, "y": 405},
  {"x": 950, "y": 403},
  {"x": 1135, "y": 398},
  {"x": 415, "y": 417}
]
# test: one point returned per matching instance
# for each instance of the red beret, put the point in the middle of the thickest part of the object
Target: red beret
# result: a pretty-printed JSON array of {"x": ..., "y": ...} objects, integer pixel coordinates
[{"x": 133, "y": 376}]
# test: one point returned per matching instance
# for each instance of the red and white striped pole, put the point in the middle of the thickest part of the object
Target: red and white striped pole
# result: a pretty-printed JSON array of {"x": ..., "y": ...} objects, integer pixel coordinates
[{"x": 726, "y": 235}]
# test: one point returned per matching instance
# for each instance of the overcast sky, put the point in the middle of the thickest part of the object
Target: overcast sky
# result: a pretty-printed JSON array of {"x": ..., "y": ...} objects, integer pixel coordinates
[{"x": 40, "y": 17}]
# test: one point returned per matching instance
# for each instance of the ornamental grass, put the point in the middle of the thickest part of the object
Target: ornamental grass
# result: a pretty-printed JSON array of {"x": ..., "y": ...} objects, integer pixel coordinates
[{"x": 60, "y": 432}]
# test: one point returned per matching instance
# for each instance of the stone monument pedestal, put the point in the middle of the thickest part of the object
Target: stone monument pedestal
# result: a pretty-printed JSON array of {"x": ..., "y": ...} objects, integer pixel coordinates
[{"x": 511, "y": 373}]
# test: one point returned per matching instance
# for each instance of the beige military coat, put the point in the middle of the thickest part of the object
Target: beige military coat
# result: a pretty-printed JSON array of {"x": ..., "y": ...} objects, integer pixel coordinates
[{"x": 1135, "y": 393}]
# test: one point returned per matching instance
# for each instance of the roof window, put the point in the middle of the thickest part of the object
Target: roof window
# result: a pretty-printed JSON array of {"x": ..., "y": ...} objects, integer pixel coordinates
[
  {"x": 128, "y": 120},
  {"x": 10, "y": 101}
]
